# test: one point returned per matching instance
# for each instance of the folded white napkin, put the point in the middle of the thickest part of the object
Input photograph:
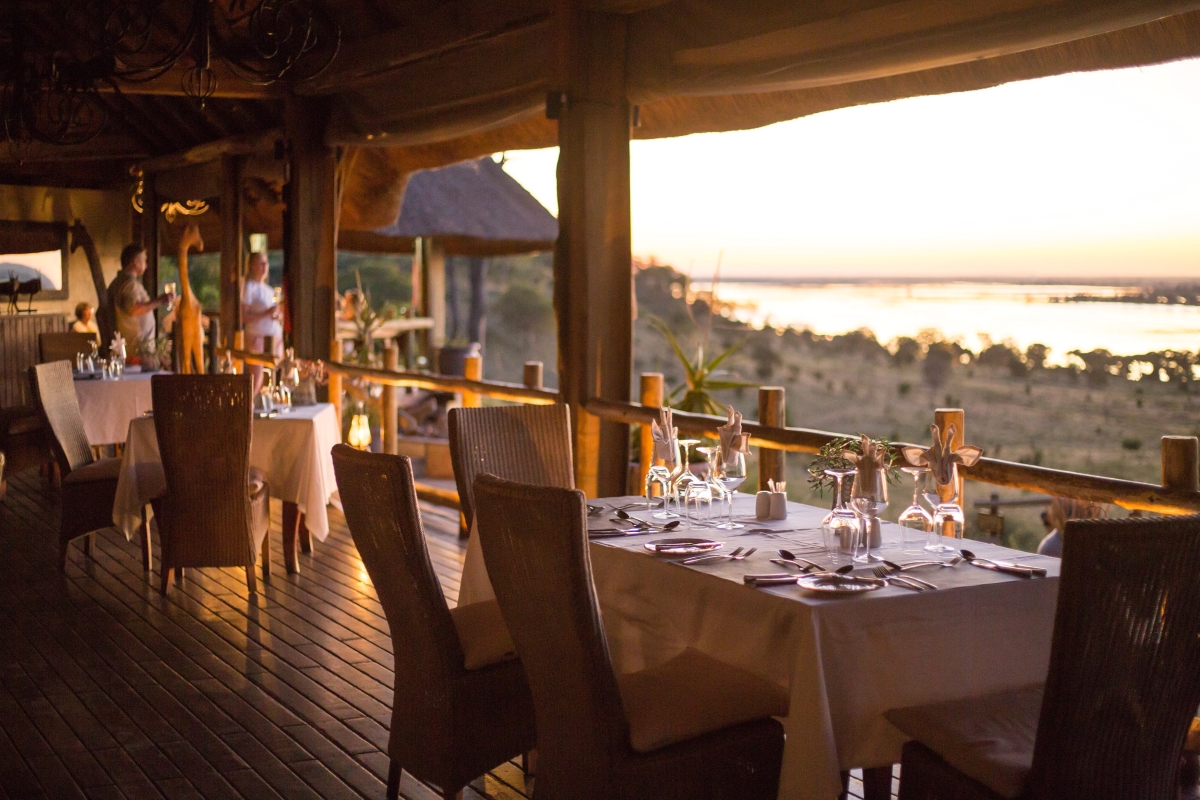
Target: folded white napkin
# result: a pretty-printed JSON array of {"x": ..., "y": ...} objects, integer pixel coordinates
[
  {"x": 664, "y": 435},
  {"x": 732, "y": 438}
]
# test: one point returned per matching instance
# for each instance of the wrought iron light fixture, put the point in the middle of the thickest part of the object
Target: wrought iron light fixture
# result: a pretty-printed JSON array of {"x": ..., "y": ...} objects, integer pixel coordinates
[{"x": 188, "y": 208}]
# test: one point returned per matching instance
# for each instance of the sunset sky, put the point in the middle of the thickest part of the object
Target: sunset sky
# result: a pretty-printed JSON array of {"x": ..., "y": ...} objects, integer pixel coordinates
[{"x": 1084, "y": 175}]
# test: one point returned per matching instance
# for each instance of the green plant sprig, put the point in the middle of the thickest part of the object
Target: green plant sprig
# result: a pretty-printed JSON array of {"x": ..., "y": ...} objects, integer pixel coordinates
[
  {"x": 700, "y": 377},
  {"x": 830, "y": 457}
]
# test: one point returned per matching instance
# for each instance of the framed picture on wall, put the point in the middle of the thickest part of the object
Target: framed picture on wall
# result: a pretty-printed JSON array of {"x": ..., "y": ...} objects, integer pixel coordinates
[{"x": 32, "y": 251}]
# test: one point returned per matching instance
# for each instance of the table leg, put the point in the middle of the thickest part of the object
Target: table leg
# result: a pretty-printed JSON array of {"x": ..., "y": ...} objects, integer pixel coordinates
[
  {"x": 145, "y": 534},
  {"x": 291, "y": 531},
  {"x": 877, "y": 783},
  {"x": 305, "y": 536}
]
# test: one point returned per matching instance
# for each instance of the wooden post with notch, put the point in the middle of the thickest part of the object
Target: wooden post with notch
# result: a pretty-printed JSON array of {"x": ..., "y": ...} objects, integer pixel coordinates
[
  {"x": 652, "y": 397},
  {"x": 1181, "y": 462},
  {"x": 772, "y": 410},
  {"x": 945, "y": 417},
  {"x": 593, "y": 298},
  {"x": 232, "y": 244},
  {"x": 335, "y": 380},
  {"x": 472, "y": 370},
  {"x": 532, "y": 376},
  {"x": 387, "y": 400}
]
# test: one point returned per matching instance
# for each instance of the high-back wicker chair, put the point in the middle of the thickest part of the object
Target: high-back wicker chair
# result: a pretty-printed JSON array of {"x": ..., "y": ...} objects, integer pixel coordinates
[
  {"x": 215, "y": 512},
  {"x": 650, "y": 734},
  {"x": 450, "y": 724},
  {"x": 64, "y": 345},
  {"x": 1123, "y": 685},
  {"x": 89, "y": 486},
  {"x": 529, "y": 444}
]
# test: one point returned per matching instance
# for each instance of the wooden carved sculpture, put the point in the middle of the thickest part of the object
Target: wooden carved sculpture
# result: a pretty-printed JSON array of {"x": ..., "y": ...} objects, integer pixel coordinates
[{"x": 189, "y": 331}]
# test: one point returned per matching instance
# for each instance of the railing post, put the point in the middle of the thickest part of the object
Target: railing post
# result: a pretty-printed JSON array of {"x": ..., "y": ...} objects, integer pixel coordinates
[
  {"x": 335, "y": 380},
  {"x": 1180, "y": 462},
  {"x": 472, "y": 370},
  {"x": 772, "y": 464},
  {"x": 390, "y": 421},
  {"x": 945, "y": 417},
  {"x": 239, "y": 343},
  {"x": 652, "y": 397},
  {"x": 214, "y": 345},
  {"x": 268, "y": 348},
  {"x": 533, "y": 375}
]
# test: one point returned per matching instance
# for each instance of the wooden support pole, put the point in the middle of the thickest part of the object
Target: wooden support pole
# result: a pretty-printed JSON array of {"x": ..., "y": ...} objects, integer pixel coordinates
[
  {"x": 532, "y": 377},
  {"x": 593, "y": 297},
  {"x": 944, "y": 418},
  {"x": 239, "y": 343},
  {"x": 772, "y": 410},
  {"x": 150, "y": 238},
  {"x": 268, "y": 347},
  {"x": 390, "y": 419},
  {"x": 472, "y": 371},
  {"x": 311, "y": 245},
  {"x": 652, "y": 396},
  {"x": 214, "y": 345},
  {"x": 335, "y": 381},
  {"x": 435, "y": 288},
  {"x": 1181, "y": 462},
  {"x": 231, "y": 244}
]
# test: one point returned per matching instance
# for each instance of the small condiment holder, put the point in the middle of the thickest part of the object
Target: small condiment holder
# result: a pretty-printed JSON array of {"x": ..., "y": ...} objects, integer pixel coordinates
[{"x": 771, "y": 504}]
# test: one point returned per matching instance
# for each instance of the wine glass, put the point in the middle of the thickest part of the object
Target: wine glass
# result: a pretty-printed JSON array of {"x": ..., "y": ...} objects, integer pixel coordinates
[
  {"x": 169, "y": 288},
  {"x": 947, "y": 514},
  {"x": 869, "y": 497},
  {"x": 841, "y": 527},
  {"x": 660, "y": 475},
  {"x": 915, "y": 521},
  {"x": 683, "y": 477},
  {"x": 731, "y": 473}
]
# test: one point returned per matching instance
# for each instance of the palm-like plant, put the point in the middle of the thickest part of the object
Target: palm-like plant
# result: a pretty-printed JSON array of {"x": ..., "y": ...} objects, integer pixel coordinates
[{"x": 700, "y": 377}]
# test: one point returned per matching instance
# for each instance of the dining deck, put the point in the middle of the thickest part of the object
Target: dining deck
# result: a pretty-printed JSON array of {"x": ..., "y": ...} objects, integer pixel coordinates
[{"x": 111, "y": 691}]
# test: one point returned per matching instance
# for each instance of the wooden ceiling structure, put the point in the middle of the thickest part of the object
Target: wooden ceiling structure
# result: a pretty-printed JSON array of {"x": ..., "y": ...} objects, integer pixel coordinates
[{"x": 424, "y": 83}]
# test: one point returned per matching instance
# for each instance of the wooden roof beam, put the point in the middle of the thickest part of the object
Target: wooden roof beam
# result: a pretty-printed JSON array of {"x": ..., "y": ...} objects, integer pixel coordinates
[
  {"x": 429, "y": 35},
  {"x": 242, "y": 145},
  {"x": 229, "y": 84}
]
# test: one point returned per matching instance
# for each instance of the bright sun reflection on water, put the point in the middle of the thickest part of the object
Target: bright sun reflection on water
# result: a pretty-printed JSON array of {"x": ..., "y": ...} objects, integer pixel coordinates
[{"x": 1023, "y": 313}]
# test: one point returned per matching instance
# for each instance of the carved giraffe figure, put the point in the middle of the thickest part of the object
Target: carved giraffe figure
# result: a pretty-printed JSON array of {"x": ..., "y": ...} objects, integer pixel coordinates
[{"x": 190, "y": 338}]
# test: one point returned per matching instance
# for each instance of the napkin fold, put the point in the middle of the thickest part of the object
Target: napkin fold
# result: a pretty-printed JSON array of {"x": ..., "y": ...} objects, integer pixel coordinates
[
  {"x": 664, "y": 434},
  {"x": 732, "y": 438},
  {"x": 117, "y": 346}
]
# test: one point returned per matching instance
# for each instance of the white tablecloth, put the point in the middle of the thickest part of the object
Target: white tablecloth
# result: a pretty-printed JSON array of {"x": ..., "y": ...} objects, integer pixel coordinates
[
  {"x": 293, "y": 450},
  {"x": 109, "y": 406},
  {"x": 845, "y": 660}
]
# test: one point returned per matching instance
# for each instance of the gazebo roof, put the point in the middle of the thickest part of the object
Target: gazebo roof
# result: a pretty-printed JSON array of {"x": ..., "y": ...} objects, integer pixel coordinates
[{"x": 474, "y": 208}]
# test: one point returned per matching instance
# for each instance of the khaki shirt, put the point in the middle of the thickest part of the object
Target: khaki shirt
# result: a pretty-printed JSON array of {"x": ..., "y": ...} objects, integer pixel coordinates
[{"x": 124, "y": 293}]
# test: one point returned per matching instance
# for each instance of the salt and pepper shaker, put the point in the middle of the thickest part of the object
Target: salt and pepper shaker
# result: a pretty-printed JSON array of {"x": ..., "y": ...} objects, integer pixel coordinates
[{"x": 771, "y": 504}]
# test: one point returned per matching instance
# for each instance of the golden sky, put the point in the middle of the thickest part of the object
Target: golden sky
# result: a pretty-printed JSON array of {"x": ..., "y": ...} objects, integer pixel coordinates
[{"x": 1088, "y": 175}]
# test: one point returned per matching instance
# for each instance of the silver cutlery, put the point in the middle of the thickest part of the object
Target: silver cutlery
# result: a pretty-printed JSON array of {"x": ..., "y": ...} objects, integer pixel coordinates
[
  {"x": 999, "y": 566},
  {"x": 775, "y": 579},
  {"x": 892, "y": 567},
  {"x": 736, "y": 555},
  {"x": 897, "y": 580},
  {"x": 803, "y": 563},
  {"x": 955, "y": 561}
]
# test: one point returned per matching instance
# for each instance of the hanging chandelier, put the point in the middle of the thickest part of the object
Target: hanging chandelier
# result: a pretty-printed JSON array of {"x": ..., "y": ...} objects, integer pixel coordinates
[{"x": 53, "y": 63}]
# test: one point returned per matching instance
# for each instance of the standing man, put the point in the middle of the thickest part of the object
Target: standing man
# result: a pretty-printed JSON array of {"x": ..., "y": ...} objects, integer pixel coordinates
[{"x": 133, "y": 309}]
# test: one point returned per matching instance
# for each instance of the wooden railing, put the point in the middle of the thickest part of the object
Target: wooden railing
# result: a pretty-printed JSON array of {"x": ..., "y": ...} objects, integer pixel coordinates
[{"x": 1178, "y": 494}]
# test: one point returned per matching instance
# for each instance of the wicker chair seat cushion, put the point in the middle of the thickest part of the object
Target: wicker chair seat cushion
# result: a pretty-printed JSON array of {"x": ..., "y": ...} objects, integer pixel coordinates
[
  {"x": 106, "y": 469},
  {"x": 691, "y": 695},
  {"x": 988, "y": 738},
  {"x": 482, "y": 634}
]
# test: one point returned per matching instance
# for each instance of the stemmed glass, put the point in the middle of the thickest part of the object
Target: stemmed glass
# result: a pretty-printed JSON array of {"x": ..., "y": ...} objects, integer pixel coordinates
[
  {"x": 869, "y": 497},
  {"x": 841, "y": 527},
  {"x": 915, "y": 521},
  {"x": 945, "y": 513},
  {"x": 682, "y": 478},
  {"x": 731, "y": 473},
  {"x": 661, "y": 475}
]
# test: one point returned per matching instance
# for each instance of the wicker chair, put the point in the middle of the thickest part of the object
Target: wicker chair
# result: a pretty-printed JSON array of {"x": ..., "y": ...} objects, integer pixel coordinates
[
  {"x": 1124, "y": 683},
  {"x": 64, "y": 345},
  {"x": 88, "y": 485},
  {"x": 461, "y": 704},
  {"x": 216, "y": 509},
  {"x": 648, "y": 734},
  {"x": 529, "y": 444}
]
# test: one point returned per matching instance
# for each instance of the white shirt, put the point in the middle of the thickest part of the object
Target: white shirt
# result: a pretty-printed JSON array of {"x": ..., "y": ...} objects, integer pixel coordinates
[{"x": 259, "y": 297}]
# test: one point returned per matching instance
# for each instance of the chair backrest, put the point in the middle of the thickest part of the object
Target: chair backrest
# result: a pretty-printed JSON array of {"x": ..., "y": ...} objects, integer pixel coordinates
[
  {"x": 534, "y": 542},
  {"x": 380, "y": 503},
  {"x": 64, "y": 345},
  {"x": 53, "y": 389},
  {"x": 528, "y": 444},
  {"x": 1124, "y": 678},
  {"x": 203, "y": 425}
]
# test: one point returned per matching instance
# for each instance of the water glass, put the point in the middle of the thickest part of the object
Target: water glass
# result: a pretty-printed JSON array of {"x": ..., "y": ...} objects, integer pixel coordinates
[
  {"x": 947, "y": 517},
  {"x": 658, "y": 475},
  {"x": 915, "y": 522},
  {"x": 698, "y": 503},
  {"x": 730, "y": 474}
]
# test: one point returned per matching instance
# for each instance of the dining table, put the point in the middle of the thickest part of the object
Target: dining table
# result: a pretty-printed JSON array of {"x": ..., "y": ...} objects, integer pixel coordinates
[
  {"x": 293, "y": 450},
  {"x": 108, "y": 406},
  {"x": 846, "y": 659}
]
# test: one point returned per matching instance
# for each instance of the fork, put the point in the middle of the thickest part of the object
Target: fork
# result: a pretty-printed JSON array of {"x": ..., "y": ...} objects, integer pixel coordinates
[
  {"x": 736, "y": 555},
  {"x": 901, "y": 580}
]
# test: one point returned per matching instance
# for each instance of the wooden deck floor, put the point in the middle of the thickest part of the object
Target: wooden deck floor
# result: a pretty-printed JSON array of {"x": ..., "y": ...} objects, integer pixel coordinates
[{"x": 108, "y": 690}]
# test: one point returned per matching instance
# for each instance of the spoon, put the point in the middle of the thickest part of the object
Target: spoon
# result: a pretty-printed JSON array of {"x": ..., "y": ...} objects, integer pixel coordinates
[
  {"x": 650, "y": 526},
  {"x": 1012, "y": 569},
  {"x": 788, "y": 555},
  {"x": 894, "y": 567}
]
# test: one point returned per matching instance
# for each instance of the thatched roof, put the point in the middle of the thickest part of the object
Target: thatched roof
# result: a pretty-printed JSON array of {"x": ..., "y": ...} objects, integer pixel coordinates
[{"x": 473, "y": 208}]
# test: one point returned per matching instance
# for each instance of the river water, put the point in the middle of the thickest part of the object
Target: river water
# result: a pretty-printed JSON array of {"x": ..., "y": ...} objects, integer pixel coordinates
[{"x": 968, "y": 311}]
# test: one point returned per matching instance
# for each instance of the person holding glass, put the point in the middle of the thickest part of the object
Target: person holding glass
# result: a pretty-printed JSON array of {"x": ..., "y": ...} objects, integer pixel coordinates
[{"x": 261, "y": 314}]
